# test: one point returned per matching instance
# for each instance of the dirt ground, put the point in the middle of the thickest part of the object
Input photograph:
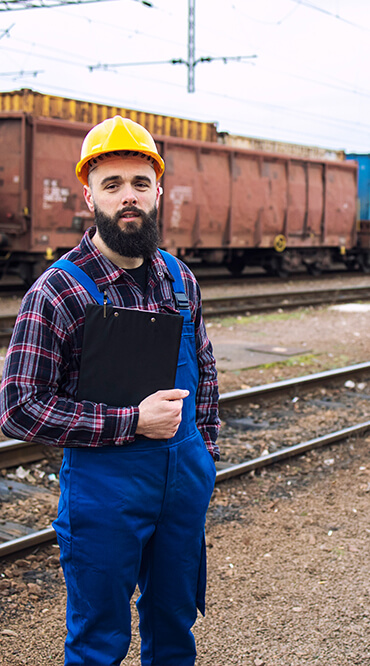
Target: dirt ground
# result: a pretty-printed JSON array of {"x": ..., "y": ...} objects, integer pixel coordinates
[{"x": 288, "y": 547}]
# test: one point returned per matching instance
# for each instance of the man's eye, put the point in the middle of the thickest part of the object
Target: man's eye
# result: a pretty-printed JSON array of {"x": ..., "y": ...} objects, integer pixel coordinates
[{"x": 142, "y": 185}]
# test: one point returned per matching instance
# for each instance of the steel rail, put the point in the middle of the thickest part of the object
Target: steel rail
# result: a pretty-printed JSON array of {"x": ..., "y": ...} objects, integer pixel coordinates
[
  {"x": 31, "y": 540},
  {"x": 290, "y": 451},
  {"x": 266, "y": 390},
  {"x": 14, "y": 452},
  {"x": 216, "y": 307}
]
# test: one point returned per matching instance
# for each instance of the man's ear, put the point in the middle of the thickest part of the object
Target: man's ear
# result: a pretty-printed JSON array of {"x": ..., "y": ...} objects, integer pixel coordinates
[
  {"x": 159, "y": 194},
  {"x": 89, "y": 198}
]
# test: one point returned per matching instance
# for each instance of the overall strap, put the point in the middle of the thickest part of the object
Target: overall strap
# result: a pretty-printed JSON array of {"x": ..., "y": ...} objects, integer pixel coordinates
[
  {"x": 181, "y": 299},
  {"x": 81, "y": 277}
]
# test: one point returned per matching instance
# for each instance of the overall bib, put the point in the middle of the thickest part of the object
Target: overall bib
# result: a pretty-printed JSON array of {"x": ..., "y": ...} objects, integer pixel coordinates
[{"x": 136, "y": 514}]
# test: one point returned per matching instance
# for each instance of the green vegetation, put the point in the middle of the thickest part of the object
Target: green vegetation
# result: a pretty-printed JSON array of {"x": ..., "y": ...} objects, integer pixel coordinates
[
  {"x": 305, "y": 359},
  {"x": 258, "y": 318}
]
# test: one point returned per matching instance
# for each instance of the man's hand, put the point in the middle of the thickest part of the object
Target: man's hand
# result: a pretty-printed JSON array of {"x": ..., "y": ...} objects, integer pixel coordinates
[{"x": 160, "y": 414}]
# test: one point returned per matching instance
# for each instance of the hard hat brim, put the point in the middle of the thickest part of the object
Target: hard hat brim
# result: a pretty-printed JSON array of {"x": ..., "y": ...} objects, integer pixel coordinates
[{"x": 83, "y": 168}]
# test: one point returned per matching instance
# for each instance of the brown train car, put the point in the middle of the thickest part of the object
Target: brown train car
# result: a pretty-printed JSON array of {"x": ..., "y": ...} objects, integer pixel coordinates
[
  {"x": 240, "y": 207},
  {"x": 220, "y": 203}
]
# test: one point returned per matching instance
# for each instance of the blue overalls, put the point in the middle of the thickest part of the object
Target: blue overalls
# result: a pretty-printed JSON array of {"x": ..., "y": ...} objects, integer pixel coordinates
[{"x": 135, "y": 514}]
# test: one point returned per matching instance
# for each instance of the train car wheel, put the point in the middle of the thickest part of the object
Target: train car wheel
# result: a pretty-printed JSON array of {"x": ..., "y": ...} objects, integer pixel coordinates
[
  {"x": 25, "y": 271},
  {"x": 282, "y": 273},
  {"x": 276, "y": 266},
  {"x": 364, "y": 262},
  {"x": 236, "y": 265},
  {"x": 314, "y": 269}
]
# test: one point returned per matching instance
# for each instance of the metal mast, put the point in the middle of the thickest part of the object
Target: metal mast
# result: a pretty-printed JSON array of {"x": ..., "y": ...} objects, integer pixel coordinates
[{"x": 191, "y": 46}]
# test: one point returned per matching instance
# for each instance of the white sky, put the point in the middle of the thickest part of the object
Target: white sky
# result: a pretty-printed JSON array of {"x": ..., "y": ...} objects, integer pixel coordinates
[{"x": 310, "y": 83}]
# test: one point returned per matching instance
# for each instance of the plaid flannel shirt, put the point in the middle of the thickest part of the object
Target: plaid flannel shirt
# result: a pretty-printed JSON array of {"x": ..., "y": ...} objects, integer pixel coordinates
[{"x": 39, "y": 385}]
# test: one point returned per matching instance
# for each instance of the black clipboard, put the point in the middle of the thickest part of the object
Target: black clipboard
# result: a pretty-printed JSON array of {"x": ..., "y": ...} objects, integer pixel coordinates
[{"x": 127, "y": 354}]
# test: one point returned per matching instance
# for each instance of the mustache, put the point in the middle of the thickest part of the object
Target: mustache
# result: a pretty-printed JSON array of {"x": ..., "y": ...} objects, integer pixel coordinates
[{"x": 128, "y": 209}]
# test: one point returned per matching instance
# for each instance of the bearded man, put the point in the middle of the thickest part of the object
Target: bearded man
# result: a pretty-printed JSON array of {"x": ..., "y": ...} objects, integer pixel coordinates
[{"x": 136, "y": 479}]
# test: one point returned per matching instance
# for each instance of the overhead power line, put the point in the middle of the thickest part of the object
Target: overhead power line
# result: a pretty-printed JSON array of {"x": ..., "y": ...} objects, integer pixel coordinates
[
  {"x": 6, "y": 32},
  {"x": 173, "y": 61},
  {"x": 311, "y": 5},
  {"x": 191, "y": 64},
  {"x": 12, "y": 5},
  {"x": 22, "y": 73}
]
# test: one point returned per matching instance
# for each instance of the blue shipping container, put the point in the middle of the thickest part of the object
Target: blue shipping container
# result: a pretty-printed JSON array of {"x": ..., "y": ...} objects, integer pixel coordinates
[{"x": 363, "y": 187}]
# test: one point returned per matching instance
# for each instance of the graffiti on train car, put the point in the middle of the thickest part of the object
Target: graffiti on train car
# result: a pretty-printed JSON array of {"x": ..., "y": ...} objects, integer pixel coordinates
[
  {"x": 53, "y": 192},
  {"x": 179, "y": 194}
]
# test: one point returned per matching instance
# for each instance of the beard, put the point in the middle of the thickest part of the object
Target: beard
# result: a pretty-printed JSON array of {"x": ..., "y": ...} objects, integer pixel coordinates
[{"x": 135, "y": 239}]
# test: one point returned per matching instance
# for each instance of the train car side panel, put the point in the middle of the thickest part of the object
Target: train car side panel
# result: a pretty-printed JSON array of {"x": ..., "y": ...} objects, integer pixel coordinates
[
  {"x": 297, "y": 200},
  {"x": 15, "y": 185},
  {"x": 340, "y": 205},
  {"x": 59, "y": 211},
  {"x": 259, "y": 200},
  {"x": 215, "y": 199},
  {"x": 315, "y": 204},
  {"x": 179, "y": 218}
]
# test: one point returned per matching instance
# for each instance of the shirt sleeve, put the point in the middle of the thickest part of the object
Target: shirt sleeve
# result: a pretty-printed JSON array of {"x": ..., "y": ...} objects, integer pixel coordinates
[
  {"x": 39, "y": 383},
  {"x": 207, "y": 416}
]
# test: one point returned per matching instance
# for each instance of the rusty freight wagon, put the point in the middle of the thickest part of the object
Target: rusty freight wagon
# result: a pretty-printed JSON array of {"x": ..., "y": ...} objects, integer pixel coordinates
[{"x": 221, "y": 203}]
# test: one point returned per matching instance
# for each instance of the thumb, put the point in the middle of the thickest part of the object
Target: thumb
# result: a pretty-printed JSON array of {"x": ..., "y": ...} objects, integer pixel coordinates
[{"x": 174, "y": 394}]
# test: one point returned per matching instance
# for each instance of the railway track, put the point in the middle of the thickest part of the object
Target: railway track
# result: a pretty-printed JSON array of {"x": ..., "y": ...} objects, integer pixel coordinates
[
  {"x": 249, "y": 304},
  {"x": 13, "y": 453},
  {"x": 207, "y": 276}
]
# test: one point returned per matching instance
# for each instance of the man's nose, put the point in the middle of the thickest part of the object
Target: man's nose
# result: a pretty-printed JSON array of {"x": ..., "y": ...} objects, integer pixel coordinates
[{"x": 128, "y": 196}]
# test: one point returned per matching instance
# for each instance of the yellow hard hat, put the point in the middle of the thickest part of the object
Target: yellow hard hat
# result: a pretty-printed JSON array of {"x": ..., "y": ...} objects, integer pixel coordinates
[{"x": 117, "y": 135}]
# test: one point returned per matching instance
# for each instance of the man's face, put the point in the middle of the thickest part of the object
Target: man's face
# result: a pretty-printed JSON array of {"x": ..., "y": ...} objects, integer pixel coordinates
[{"x": 124, "y": 197}]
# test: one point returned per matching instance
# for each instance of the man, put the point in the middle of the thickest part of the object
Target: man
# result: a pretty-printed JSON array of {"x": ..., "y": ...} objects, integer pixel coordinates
[{"x": 136, "y": 480}]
